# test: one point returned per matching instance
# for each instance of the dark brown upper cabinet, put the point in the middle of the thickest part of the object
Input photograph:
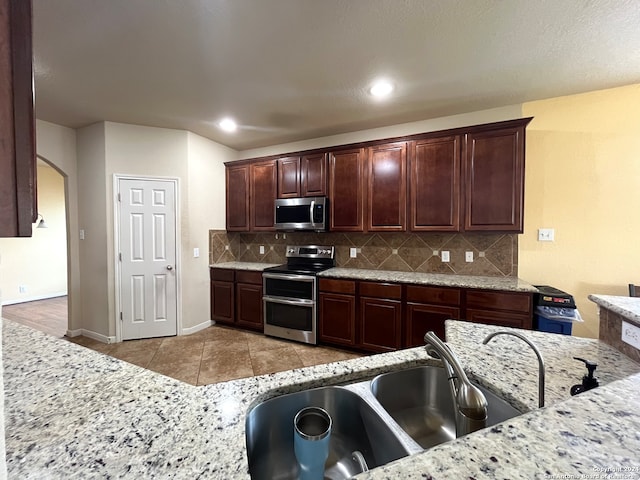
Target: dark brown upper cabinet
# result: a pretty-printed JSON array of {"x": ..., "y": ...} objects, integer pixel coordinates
[
  {"x": 494, "y": 179},
  {"x": 302, "y": 176},
  {"x": 18, "y": 201},
  {"x": 387, "y": 187},
  {"x": 289, "y": 177},
  {"x": 237, "y": 185},
  {"x": 434, "y": 174},
  {"x": 346, "y": 190},
  {"x": 263, "y": 181}
]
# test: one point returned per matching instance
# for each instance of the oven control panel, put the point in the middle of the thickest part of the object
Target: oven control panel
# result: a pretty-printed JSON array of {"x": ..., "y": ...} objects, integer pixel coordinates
[{"x": 310, "y": 251}]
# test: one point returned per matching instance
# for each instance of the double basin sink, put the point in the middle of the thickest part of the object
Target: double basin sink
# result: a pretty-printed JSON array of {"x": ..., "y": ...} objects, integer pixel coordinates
[{"x": 392, "y": 416}]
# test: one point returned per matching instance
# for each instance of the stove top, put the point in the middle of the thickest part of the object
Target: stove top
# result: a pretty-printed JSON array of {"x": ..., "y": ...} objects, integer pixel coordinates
[{"x": 306, "y": 260}]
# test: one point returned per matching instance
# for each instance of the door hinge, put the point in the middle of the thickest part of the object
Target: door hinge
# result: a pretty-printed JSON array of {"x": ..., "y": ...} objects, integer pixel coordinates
[
  {"x": 120, "y": 316},
  {"x": 119, "y": 197},
  {"x": 120, "y": 256}
]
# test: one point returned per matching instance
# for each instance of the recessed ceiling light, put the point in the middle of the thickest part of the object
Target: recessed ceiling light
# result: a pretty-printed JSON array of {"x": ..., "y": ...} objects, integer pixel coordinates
[
  {"x": 381, "y": 88},
  {"x": 228, "y": 125}
]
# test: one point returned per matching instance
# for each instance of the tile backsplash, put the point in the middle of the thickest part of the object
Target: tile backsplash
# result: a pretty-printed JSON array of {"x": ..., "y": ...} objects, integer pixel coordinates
[{"x": 493, "y": 254}]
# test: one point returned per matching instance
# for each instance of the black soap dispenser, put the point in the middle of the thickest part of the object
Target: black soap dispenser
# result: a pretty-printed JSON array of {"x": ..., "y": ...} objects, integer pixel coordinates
[{"x": 588, "y": 381}]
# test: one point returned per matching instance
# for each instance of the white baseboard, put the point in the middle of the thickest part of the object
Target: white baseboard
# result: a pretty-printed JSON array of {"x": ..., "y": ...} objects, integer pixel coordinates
[
  {"x": 94, "y": 335},
  {"x": 197, "y": 328},
  {"x": 33, "y": 299}
]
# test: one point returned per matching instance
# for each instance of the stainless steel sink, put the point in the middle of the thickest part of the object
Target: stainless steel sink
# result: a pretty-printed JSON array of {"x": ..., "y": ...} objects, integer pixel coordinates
[
  {"x": 419, "y": 400},
  {"x": 356, "y": 427}
]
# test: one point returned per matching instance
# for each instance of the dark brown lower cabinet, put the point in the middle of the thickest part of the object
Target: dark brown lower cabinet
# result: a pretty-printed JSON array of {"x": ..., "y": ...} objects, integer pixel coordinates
[
  {"x": 236, "y": 298},
  {"x": 249, "y": 300},
  {"x": 337, "y": 324},
  {"x": 222, "y": 295},
  {"x": 421, "y": 318},
  {"x": 380, "y": 324},
  {"x": 510, "y": 309},
  {"x": 380, "y": 316}
]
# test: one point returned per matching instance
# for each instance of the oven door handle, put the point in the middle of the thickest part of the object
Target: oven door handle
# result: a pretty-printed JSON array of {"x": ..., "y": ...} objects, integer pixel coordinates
[
  {"x": 298, "y": 302},
  {"x": 289, "y": 276}
]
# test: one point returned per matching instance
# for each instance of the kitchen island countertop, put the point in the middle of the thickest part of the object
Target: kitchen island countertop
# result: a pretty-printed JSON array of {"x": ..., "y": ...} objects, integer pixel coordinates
[
  {"x": 627, "y": 307},
  {"x": 72, "y": 411}
]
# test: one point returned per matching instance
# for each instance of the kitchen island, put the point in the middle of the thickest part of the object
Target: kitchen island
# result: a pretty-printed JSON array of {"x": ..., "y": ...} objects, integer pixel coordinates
[
  {"x": 70, "y": 412},
  {"x": 615, "y": 312}
]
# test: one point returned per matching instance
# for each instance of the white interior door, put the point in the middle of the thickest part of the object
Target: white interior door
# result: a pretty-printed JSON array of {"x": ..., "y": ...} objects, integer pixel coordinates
[{"x": 147, "y": 239}]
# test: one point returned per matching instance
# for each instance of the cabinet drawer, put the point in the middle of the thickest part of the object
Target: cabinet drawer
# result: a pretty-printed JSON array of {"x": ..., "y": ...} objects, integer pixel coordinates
[
  {"x": 506, "y": 319},
  {"x": 433, "y": 295},
  {"x": 509, "y": 301},
  {"x": 381, "y": 290},
  {"x": 337, "y": 286},
  {"x": 222, "y": 274},
  {"x": 243, "y": 276}
]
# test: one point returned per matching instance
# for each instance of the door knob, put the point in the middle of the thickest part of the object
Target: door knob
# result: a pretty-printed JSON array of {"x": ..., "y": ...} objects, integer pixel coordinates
[{"x": 169, "y": 267}]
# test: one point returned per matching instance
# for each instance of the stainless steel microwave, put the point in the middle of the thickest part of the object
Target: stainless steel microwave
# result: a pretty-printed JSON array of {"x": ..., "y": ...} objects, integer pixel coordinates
[{"x": 307, "y": 213}]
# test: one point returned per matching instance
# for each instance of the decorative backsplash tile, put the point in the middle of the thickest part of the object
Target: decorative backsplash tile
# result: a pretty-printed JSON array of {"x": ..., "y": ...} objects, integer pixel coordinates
[{"x": 493, "y": 254}]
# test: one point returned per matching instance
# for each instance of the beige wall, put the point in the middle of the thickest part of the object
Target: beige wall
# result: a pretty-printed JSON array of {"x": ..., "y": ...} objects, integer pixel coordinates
[
  {"x": 39, "y": 263},
  {"x": 57, "y": 145},
  {"x": 92, "y": 219},
  {"x": 583, "y": 180}
]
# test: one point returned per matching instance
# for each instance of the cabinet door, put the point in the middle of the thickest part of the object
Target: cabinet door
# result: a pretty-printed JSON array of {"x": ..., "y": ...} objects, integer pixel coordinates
[
  {"x": 434, "y": 171},
  {"x": 387, "y": 188},
  {"x": 237, "y": 185},
  {"x": 249, "y": 306},
  {"x": 494, "y": 180},
  {"x": 222, "y": 302},
  {"x": 289, "y": 177},
  {"x": 263, "y": 180},
  {"x": 421, "y": 318},
  {"x": 380, "y": 324},
  {"x": 346, "y": 190},
  {"x": 17, "y": 140},
  {"x": 337, "y": 319},
  {"x": 313, "y": 175}
]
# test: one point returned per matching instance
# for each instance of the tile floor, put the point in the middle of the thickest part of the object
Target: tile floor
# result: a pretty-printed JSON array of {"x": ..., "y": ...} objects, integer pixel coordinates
[{"x": 215, "y": 354}]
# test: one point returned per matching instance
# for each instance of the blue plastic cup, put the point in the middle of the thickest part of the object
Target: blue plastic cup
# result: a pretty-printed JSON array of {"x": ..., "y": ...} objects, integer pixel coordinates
[{"x": 312, "y": 431}]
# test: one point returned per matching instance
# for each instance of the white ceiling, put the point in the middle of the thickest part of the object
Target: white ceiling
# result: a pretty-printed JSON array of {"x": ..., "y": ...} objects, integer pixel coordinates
[{"x": 291, "y": 70}]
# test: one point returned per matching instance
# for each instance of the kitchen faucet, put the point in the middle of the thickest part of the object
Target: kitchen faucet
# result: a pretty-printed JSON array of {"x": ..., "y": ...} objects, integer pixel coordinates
[
  {"x": 469, "y": 402},
  {"x": 538, "y": 354}
]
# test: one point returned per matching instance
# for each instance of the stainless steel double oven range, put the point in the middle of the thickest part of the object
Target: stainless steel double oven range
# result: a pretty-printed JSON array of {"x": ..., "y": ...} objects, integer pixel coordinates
[{"x": 290, "y": 293}]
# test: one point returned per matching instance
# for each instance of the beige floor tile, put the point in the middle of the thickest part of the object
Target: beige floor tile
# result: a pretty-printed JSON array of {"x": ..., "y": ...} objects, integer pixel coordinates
[
  {"x": 275, "y": 360},
  {"x": 260, "y": 343},
  {"x": 313, "y": 355},
  {"x": 228, "y": 348},
  {"x": 92, "y": 344},
  {"x": 221, "y": 367},
  {"x": 141, "y": 357},
  {"x": 217, "y": 332},
  {"x": 184, "y": 371}
]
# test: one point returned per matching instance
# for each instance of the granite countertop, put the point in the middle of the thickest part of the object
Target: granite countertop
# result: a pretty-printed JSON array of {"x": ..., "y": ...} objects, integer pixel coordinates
[
  {"x": 627, "y": 307},
  {"x": 70, "y": 411},
  {"x": 256, "y": 266},
  {"x": 512, "y": 284},
  {"x": 464, "y": 281}
]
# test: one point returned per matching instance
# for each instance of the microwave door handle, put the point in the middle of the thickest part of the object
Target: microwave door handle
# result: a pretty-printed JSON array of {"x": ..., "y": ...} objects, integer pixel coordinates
[{"x": 313, "y": 204}]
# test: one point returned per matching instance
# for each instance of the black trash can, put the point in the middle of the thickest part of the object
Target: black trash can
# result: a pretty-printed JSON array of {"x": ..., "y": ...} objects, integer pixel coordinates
[{"x": 555, "y": 310}]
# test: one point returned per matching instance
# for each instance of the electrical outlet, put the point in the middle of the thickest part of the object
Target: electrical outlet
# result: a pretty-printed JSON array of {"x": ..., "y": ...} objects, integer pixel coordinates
[
  {"x": 468, "y": 256},
  {"x": 261, "y": 249},
  {"x": 546, "y": 234},
  {"x": 82, "y": 234},
  {"x": 196, "y": 252},
  {"x": 631, "y": 334},
  {"x": 444, "y": 255},
  {"x": 22, "y": 289},
  {"x": 353, "y": 252}
]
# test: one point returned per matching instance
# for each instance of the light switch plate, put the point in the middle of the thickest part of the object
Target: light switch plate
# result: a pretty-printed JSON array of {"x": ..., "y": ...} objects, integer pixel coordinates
[
  {"x": 196, "y": 252},
  {"x": 261, "y": 249},
  {"x": 445, "y": 256},
  {"x": 631, "y": 334},
  {"x": 353, "y": 252}
]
